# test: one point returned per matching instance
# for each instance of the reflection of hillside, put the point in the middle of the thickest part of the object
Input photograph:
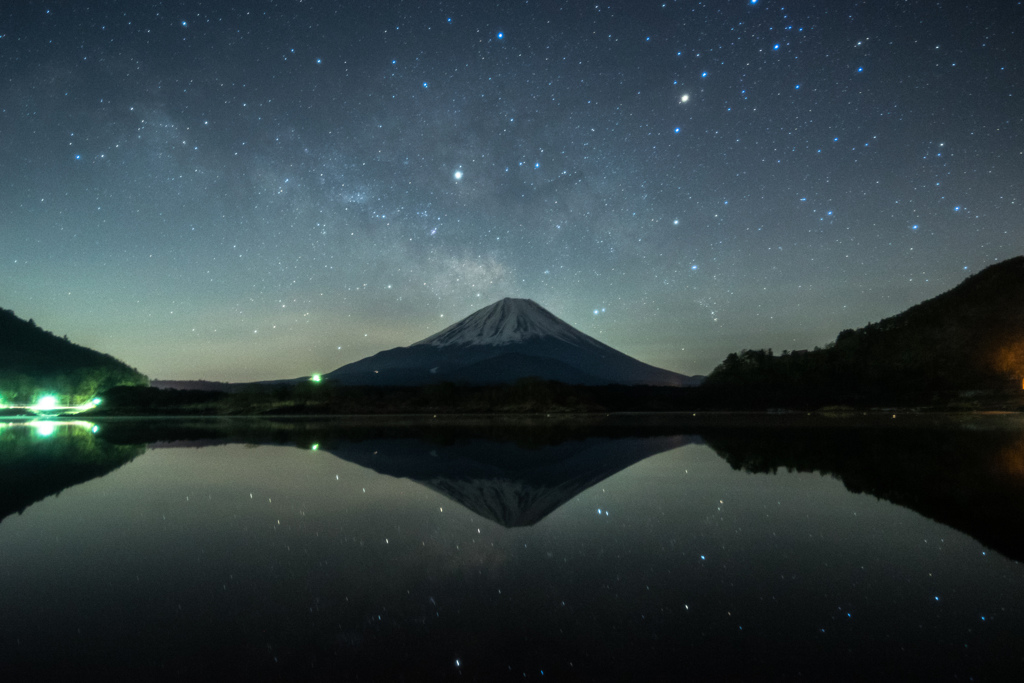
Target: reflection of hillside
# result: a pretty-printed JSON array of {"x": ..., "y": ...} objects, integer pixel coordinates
[
  {"x": 506, "y": 483},
  {"x": 970, "y": 480},
  {"x": 966, "y": 472},
  {"x": 43, "y": 459}
]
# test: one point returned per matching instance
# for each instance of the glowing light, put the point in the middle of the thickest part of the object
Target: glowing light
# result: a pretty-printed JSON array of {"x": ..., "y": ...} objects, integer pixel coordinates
[
  {"x": 315, "y": 447},
  {"x": 47, "y": 403},
  {"x": 45, "y": 428},
  {"x": 685, "y": 98},
  {"x": 316, "y": 378},
  {"x": 457, "y": 175}
]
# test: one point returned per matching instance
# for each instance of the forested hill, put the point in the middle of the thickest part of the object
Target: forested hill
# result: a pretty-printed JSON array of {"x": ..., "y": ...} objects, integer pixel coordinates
[
  {"x": 34, "y": 362},
  {"x": 970, "y": 338}
]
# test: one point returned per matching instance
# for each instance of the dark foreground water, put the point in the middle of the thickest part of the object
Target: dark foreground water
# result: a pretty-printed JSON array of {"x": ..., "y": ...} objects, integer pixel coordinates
[{"x": 318, "y": 552}]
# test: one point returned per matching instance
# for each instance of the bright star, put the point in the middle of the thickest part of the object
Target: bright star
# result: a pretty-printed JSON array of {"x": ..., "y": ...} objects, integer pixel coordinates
[
  {"x": 457, "y": 175},
  {"x": 684, "y": 99}
]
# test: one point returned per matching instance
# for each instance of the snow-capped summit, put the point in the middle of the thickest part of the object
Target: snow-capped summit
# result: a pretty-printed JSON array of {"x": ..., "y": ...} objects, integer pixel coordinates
[
  {"x": 508, "y": 321},
  {"x": 509, "y": 340}
]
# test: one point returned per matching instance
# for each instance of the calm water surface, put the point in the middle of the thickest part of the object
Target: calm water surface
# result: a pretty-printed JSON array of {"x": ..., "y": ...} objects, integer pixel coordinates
[{"x": 591, "y": 558}]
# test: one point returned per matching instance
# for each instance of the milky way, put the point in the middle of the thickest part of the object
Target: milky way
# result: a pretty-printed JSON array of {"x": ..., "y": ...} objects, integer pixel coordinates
[{"x": 280, "y": 188}]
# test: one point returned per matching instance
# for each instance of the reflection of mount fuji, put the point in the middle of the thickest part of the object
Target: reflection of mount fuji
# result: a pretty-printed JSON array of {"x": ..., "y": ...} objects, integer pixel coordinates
[{"x": 504, "y": 482}]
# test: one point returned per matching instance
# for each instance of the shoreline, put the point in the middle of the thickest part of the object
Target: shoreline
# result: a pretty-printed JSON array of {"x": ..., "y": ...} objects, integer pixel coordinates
[{"x": 874, "y": 418}]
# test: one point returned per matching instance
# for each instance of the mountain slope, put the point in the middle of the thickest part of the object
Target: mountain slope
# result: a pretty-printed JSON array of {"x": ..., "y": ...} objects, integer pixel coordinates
[
  {"x": 506, "y": 341},
  {"x": 969, "y": 338},
  {"x": 35, "y": 362}
]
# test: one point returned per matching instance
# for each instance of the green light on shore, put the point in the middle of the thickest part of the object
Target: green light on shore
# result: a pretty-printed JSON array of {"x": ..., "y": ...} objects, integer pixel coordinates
[
  {"x": 316, "y": 378},
  {"x": 47, "y": 403}
]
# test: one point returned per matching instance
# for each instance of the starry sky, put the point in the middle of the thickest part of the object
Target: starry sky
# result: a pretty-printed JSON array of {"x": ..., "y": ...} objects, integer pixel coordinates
[{"x": 267, "y": 189}]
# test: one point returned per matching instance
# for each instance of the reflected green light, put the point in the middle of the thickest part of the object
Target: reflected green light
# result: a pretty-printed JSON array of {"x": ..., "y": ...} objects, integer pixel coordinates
[
  {"x": 316, "y": 378},
  {"x": 45, "y": 428},
  {"x": 315, "y": 447}
]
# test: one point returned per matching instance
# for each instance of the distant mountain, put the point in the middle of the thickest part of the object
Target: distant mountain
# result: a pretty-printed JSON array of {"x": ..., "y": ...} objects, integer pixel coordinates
[
  {"x": 34, "y": 362},
  {"x": 970, "y": 338},
  {"x": 504, "y": 342},
  {"x": 196, "y": 385}
]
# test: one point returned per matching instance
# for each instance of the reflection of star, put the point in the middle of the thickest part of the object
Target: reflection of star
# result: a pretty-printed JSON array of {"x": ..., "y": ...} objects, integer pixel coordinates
[{"x": 684, "y": 99}]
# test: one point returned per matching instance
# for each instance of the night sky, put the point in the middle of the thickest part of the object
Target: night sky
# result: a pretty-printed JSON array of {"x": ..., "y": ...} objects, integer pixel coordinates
[{"x": 267, "y": 189}]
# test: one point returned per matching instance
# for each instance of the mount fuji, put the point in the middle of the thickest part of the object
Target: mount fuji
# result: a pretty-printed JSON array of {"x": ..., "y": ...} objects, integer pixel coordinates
[{"x": 504, "y": 342}]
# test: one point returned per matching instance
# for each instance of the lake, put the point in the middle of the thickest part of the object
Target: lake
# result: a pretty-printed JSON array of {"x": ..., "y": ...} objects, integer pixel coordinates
[{"x": 626, "y": 549}]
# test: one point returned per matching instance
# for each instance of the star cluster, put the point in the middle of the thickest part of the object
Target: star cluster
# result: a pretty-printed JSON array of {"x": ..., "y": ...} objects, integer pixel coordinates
[{"x": 282, "y": 187}]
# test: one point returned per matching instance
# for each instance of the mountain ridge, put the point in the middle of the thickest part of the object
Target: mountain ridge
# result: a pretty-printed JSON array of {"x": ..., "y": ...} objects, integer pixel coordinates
[
  {"x": 34, "y": 361},
  {"x": 507, "y": 321},
  {"x": 508, "y": 340},
  {"x": 966, "y": 339}
]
